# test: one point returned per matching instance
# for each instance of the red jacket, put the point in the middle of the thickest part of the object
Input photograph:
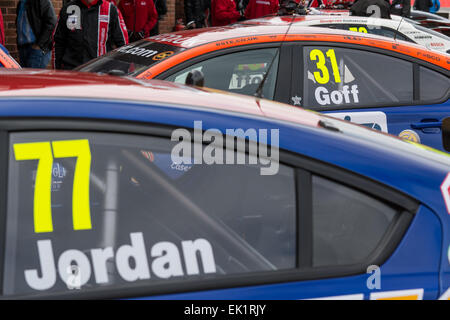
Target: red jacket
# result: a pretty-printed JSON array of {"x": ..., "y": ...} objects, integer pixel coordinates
[
  {"x": 223, "y": 12},
  {"x": 259, "y": 8},
  {"x": 139, "y": 15}
]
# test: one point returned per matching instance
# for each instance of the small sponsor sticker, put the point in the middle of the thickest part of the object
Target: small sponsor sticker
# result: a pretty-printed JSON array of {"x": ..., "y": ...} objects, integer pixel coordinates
[
  {"x": 445, "y": 188},
  {"x": 410, "y": 135}
]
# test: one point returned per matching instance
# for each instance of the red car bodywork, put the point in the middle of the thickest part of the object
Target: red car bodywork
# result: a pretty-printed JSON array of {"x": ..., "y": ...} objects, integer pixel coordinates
[{"x": 60, "y": 84}]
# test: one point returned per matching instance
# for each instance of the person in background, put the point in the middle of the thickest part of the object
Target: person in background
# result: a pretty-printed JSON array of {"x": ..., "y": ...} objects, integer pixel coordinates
[
  {"x": 195, "y": 12},
  {"x": 259, "y": 8},
  {"x": 35, "y": 21},
  {"x": 364, "y": 8},
  {"x": 422, "y": 5},
  {"x": 86, "y": 29},
  {"x": 140, "y": 17},
  {"x": 435, "y": 7},
  {"x": 401, "y": 8},
  {"x": 161, "y": 9},
  {"x": 2, "y": 30},
  {"x": 224, "y": 12}
]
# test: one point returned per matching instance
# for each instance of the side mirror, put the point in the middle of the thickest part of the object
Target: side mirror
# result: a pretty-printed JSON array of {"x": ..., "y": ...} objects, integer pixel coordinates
[
  {"x": 116, "y": 72},
  {"x": 446, "y": 134},
  {"x": 195, "y": 78}
]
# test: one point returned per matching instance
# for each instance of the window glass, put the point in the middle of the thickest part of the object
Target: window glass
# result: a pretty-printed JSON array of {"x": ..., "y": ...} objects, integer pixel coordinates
[
  {"x": 347, "y": 224},
  {"x": 433, "y": 85},
  {"x": 239, "y": 72},
  {"x": 131, "y": 59},
  {"x": 348, "y": 77},
  {"x": 431, "y": 31},
  {"x": 372, "y": 29},
  {"x": 111, "y": 209},
  {"x": 387, "y": 32}
]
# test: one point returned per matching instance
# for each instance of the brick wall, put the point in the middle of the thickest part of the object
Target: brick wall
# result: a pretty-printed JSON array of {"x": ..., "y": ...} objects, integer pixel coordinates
[
  {"x": 167, "y": 23},
  {"x": 8, "y": 8}
]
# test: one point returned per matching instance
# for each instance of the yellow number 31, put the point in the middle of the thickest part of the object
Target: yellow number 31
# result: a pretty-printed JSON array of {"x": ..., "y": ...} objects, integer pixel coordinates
[
  {"x": 42, "y": 151},
  {"x": 318, "y": 55}
]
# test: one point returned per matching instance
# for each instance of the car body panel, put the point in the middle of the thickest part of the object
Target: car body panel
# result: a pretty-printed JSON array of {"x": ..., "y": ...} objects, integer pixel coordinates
[
  {"x": 406, "y": 118},
  {"x": 422, "y": 271}
]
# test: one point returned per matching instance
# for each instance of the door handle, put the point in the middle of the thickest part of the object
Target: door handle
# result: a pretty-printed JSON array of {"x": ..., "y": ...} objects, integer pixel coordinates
[{"x": 428, "y": 127}]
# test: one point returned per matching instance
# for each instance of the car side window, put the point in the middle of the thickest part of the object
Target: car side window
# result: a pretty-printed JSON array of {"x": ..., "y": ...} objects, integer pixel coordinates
[
  {"x": 335, "y": 76},
  {"x": 433, "y": 85},
  {"x": 239, "y": 72},
  {"x": 347, "y": 224},
  {"x": 97, "y": 209}
]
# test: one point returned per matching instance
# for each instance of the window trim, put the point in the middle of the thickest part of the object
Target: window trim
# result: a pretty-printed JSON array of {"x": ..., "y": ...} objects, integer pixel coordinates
[
  {"x": 446, "y": 97},
  {"x": 417, "y": 79},
  {"x": 303, "y": 167}
]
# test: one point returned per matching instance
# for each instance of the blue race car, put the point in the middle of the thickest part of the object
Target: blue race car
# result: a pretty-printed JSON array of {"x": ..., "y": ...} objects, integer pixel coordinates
[{"x": 121, "y": 188}]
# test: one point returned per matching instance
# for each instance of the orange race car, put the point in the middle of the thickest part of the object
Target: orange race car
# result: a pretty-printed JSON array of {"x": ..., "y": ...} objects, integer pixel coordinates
[
  {"x": 394, "y": 86},
  {"x": 6, "y": 61}
]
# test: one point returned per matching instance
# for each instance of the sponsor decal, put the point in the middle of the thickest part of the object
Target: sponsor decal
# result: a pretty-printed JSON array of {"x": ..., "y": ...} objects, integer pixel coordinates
[
  {"x": 373, "y": 119},
  {"x": 162, "y": 55},
  {"x": 428, "y": 56},
  {"x": 168, "y": 261},
  {"x": 410, "y": 135},
  {"x": 412, "y": 294},
  {"x": 337, "y": 97},
  {"x": 137, "y": 51},
  {"x": 446, "y": 295},
  {"x": 296, "y": 100},
  {"x": 445, "y": 189},
  {"x": 436, "y": 44},
  {"x": 59, "y": 173},
  {"x": 357, "y": 296},
  {"x": 177, "y": 39},
  {"x": 422, "y": 37}
]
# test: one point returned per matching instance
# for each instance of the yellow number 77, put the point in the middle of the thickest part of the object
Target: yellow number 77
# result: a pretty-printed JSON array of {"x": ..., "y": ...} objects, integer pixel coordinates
[{"x": 42, "y": 151}]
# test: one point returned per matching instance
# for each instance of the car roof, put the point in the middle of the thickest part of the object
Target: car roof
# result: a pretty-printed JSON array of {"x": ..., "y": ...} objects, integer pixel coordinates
[
  {"x": 286, "y": 20},
  {"x": 202, "y": 41},
  {"x": 28, "y": 83}
]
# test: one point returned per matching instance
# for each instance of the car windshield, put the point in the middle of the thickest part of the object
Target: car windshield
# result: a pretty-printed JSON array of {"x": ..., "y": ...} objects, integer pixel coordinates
[
  {"x": 430, "y": 31},
  {"x": 132, "y": 59}
]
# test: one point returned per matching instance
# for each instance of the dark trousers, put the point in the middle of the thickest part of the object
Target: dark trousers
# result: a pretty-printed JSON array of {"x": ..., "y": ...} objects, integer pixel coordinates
[{"x": 32, "y": 58}]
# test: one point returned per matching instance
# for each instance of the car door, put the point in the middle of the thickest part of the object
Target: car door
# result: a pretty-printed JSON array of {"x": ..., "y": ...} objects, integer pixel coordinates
[
  {"x": 108, "y": 213},
  {"x": 375, "y": 88}
]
